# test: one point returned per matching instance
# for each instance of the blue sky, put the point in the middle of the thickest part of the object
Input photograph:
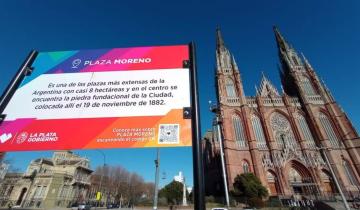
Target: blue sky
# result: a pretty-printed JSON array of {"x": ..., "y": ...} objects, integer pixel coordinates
[{"x": 326, "y": 31}]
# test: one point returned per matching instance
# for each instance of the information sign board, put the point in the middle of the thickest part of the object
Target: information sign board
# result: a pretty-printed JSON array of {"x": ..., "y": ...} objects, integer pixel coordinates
[{"x": 109, "y": 98}]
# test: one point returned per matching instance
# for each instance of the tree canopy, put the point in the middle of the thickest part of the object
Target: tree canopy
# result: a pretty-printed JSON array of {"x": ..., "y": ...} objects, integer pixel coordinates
[
  {"x": 247, "y": 185},
  {"x": 173, "y": 192},
  {"x": 120, "y": 184}
]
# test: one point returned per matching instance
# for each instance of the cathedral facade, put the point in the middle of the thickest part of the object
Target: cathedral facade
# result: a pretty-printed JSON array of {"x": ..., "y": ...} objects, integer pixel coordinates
[{"x": 293, "y": 140}]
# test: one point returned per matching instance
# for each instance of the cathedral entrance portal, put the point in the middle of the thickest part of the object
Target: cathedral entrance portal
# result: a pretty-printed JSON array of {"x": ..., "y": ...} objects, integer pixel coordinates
[
  {"x": 301, "y": 181},
  {"x": 295, "y": 180}
]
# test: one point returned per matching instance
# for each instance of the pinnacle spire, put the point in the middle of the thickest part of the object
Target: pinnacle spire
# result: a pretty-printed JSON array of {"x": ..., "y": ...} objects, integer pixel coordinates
[
  {"x": 233, "y": 62},
  {"x": 266, "y": 87},
  {"x": 327, "y": 91},
  {"x": 256, "y": 90},
  {"x": 282, "y": 89},
  {"x": 307, "y": 64},
  {"x": 263, "y": 77}
]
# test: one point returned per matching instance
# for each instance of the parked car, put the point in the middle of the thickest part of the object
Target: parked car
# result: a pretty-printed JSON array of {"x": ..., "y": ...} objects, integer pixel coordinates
[
  {"x": 74, "y": 206},
  {"x": 84, "y": 206},
  {"x": 112, "y": 206}
]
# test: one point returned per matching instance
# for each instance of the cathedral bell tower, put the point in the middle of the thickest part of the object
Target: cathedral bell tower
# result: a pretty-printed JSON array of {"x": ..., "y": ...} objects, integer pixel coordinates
[
  {"x": 330, "y": 124},
  {"x": 240, "y": 151},
  {"x": 297, "y": 75},
  {"x": 228, "y": 79}
]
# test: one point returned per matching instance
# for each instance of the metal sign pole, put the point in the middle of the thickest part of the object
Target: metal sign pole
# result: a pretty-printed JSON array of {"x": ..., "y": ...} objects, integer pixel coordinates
[
  {"x": 346, "y": 205},
  {"x": 24, "y": 70},
  {"x": 198, "y": 192},
  {"x": 220, "y": 139},
  {"x": 217, "y": 122}
]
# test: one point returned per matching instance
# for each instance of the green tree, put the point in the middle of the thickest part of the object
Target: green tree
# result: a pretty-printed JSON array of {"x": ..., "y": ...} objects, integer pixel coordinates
[
  {"x": 173, "y": 192},
  {"x": 247, "y": 187}
]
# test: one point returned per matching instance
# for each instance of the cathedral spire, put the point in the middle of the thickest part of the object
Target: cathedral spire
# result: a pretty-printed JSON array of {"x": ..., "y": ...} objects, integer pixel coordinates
[
  {"x": 281, "y": 42},
  {"x": 224, "y": 60},
  {"x": 220, "y": 45},
  {"x": 288, "y": 56}
]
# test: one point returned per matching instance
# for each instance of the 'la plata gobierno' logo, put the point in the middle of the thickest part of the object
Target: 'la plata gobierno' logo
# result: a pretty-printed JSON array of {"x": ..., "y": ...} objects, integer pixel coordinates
[
  {"x": 76, "y": 63},
  {"x": 22, "y": 137}
]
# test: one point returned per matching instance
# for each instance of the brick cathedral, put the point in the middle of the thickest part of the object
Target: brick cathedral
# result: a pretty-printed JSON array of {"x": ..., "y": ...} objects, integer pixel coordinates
[{"x": 283, "y": 137}]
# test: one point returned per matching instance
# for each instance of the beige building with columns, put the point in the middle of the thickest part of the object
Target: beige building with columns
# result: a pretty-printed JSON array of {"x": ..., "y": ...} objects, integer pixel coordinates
[{"x": 48, "y": 182}]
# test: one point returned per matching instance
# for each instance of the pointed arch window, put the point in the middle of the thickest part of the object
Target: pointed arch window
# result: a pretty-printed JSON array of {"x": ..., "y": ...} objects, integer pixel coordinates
[
  {"x": 230, "y": 88},
  {"x": 239, "y": 131},
  {"x": 306, "y": 131},
  {"x": 259, "y": 132},
  {"x": 245, "y": 166},
  {"x": 350, "y": 173},
  {"x": 329, "y": 130},
  {"x": 308, "y": 87}
]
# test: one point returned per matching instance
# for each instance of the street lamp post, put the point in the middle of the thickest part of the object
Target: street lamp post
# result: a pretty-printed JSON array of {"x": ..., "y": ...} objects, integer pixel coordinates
[
  {"x": 347, "y": 207},
  {"x": 216, "y": 110},
  {"x": 157, "y": 163}
]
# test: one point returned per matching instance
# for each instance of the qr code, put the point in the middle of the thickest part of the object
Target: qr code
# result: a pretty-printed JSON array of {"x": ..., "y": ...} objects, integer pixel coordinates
[{"x": 168, "y": 133}]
